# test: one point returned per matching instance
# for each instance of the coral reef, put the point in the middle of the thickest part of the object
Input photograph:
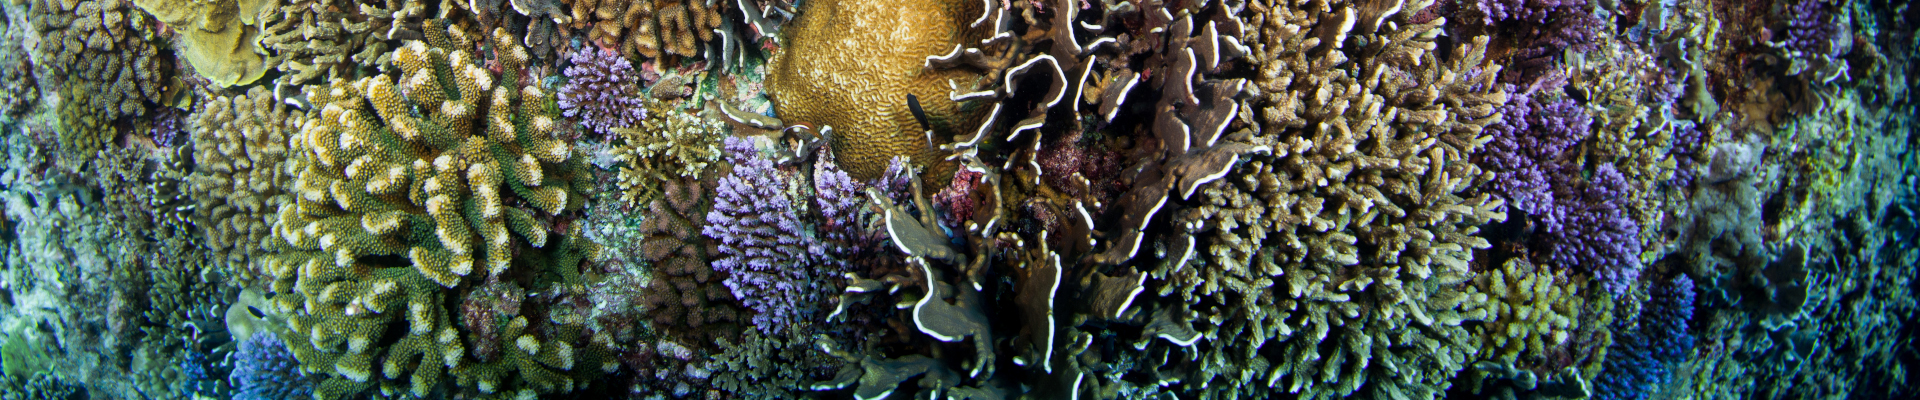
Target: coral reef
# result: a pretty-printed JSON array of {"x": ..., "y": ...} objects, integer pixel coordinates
[
  {"x": 263, "y": 369},
  {"x": 393, "y": 209}
]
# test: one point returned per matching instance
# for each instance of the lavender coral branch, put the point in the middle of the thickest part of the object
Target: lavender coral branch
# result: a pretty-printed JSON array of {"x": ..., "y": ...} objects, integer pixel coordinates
[
  {"x": 1580, "y": 219},
  {"x": 601, "y": 92},
  {"x": 767, "y": 250}
]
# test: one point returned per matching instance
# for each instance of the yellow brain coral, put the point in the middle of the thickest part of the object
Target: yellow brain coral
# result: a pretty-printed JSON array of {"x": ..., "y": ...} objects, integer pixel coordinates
[{"x": 851, "y": 65}]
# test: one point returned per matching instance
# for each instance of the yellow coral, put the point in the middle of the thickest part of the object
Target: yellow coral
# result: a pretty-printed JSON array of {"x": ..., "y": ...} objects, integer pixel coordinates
[
  {"x": 669, "y": 143},
  {"x": 851, "y": 65}
]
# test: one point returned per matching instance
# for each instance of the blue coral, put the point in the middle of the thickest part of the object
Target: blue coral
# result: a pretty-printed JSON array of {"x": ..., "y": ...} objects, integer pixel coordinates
[
  {"x": 767, "y": 250},
  {"x": 601, "y": 92},
  {"x": 263, "y": 369},
  {"x": 1643, "y": 355},
  {"x": 1580, "y": 215}
]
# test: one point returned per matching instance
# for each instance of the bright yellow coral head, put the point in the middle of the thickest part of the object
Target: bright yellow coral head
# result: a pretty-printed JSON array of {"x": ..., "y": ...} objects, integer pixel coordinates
[{"x": 851, "y": 65}]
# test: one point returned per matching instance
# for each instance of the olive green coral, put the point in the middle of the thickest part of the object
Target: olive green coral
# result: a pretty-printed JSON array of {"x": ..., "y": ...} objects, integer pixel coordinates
[
  {"x": 242, "y": 175},
  {"x": 317, "y": 40},
  {"x": 104, "y": 43},
  {"x": 1345, "y": 256},
  {"x": 84, "y": 130},
  {"x": 408, "y": 195},
  {"x": 669, "y": 143}
]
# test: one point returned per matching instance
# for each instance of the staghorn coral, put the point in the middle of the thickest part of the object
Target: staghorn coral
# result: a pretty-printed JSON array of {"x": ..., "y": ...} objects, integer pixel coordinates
[
  {"x": 668, "y": 143},
  {"x": 321, "y": 40},
  {"x": 601, "y": 91},
  {"x": 651, "y": 28},
  {"x": 399, "y": 215},
  {"x": 767, "y": 251},
  {"x": 1359, "y": 229},
  {"x": 850, "y": 65},
  {"x": 243, "y": 176},
  {"x": 105, "y": 45}
]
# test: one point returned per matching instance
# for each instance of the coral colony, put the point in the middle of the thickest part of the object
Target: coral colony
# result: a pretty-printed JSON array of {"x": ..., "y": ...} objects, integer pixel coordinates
[{"x": 959, "y": 199}]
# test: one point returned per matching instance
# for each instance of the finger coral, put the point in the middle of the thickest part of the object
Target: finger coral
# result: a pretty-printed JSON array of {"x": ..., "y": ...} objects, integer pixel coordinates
[
  {"x": 399, "y": 214},
  {"x": 243, "y": 176},
  {"x": 651, "y": 28},
  {"x": 103, "y": 44}
]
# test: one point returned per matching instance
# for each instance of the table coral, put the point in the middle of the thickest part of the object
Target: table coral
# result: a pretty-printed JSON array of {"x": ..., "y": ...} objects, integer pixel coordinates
[
  {"x": 242, "y": 179},
  {"x": 400, "y": 214},
  {"x": 851, "y": 65}
]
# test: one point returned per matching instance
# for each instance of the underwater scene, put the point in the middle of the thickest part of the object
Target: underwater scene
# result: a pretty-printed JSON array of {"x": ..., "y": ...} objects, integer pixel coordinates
[{"x": 958, "y": 199}]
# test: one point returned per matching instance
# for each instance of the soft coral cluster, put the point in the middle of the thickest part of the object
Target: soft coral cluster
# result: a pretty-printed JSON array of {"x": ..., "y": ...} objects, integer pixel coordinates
[
  {"x": 1580, "y": 214},
  {"x": 765, "y": 246}
]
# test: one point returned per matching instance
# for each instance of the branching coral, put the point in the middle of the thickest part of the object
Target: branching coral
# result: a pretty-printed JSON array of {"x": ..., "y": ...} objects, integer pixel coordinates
[
  {"x": 242, "y": 179},
  {"x": 766, "y": 250},
  {"x": 1648, "y": 346},
  {"x": 319, "y": 40},
  {"x": 686, "y": 298},
  {"x": 1542, "y": 320},
  {"x": 601, "y": 91},
  {"x": 408, "y": 195},
  {"x": 1359, "y": 229},
  {"x": 1579, "y": 213},
  {"x": 263, "y": 369},
  {"x": 669, "y": 143}
]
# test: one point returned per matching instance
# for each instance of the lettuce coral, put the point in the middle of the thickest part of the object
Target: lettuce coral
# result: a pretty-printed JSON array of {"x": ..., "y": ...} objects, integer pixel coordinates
[{"x": 399, "y": 215}]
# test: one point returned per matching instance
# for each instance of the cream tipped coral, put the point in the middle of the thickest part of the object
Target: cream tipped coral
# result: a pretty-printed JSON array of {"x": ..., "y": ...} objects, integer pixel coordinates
[{"x": 413, "y": 193}]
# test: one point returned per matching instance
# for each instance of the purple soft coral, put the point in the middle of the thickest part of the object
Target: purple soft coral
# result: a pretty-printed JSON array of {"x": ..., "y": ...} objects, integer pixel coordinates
[
  {"x": 1581, "y": 220},
  {"x": 766, "y": 249},
  {"x": 601, "y": 92}
]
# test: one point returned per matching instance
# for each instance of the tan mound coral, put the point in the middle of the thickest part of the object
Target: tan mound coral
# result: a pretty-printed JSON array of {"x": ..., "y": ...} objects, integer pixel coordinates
[
  {"x": 242, "y": 175},
  {"x": 650, "y": 28},
  {"x": 400, "y": 215},
  {"x": 851, "y": 65},
  {"x": 105, "y": 43}
]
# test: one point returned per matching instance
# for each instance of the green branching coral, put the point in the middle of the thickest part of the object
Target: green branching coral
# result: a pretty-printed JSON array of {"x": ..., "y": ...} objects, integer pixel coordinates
[
  {"x": 242, "y": 174},
  {"x": 669, "y": 143},
  {"x": 1342, "y": 260},
  {"x": 1542, "y": 322},
  {"x": 409, "y": 196},
  {"x": 317, "y": 40}
]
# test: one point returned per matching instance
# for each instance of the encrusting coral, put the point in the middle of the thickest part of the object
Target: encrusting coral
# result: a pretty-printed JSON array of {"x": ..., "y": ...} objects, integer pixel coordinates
[
  {"x": 242, "y": 177},
  {"x": 401, "y": 214}
]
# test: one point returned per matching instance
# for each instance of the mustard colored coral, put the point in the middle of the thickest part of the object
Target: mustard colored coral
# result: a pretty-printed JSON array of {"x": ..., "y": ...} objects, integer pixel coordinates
[{"x": 851, "y": 65}]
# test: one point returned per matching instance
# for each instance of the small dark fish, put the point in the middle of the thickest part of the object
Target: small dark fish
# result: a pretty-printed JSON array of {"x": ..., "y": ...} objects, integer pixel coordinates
[{"x": 913, "y": 103}]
